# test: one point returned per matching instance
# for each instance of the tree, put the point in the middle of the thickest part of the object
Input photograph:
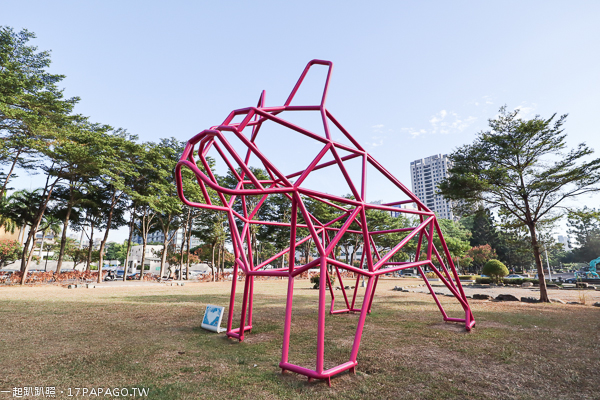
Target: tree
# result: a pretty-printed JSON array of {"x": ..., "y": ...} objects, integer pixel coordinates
[
  {"x": 115, "y": 251},
  {"x": 520, "y": 167},
  {"x": 10, "y": 250},
  {"x": 495, "y": 269},
  {"x": 479, "y": 255},
  {"x": 584, "y": 226},
  {"x": 31, "y": 103}
]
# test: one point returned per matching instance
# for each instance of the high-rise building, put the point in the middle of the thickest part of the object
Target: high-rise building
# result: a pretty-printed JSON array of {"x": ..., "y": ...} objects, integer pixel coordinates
[
  {"x": 159, "y": 237},
  {"x": 426, "y": 175}
]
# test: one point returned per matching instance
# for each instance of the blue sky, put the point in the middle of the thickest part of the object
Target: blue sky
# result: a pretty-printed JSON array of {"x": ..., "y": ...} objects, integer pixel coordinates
[{"x": 411, "y": 79}]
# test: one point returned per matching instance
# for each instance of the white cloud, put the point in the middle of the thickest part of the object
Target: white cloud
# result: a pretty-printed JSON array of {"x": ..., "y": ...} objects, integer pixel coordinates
[
  {"x": 379, "y": 126},
  {"x": 444, "y": 122},
  {"x": 525, "y": 112}
]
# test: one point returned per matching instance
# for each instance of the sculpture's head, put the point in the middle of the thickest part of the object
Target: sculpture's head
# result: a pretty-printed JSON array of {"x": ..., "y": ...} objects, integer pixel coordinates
[{"x": 329, "y": 153}]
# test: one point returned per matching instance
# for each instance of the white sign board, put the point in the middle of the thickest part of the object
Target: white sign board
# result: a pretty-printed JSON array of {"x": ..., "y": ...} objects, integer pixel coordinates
[{"x": 212, "y": 318}]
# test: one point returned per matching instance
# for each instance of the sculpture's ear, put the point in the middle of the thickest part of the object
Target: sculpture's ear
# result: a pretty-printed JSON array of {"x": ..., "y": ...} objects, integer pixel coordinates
[
  {"x": 261, "y": 100},
  {"x": 310, "y": 64}
]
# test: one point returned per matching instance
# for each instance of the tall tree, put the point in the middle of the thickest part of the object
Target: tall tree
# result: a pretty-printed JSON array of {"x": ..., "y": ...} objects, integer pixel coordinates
[
  {"x": 521, "y": 167},
  {"x": 584, "y": 226},
  {"x": 31, "y": 103}
]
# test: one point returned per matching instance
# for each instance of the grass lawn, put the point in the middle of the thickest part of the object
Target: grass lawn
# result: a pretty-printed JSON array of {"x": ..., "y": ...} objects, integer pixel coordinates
[{"x": 151, "y": 337}]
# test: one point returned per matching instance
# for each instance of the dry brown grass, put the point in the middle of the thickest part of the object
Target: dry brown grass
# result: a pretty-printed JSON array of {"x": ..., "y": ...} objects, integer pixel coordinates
[{"x": 151, "y": 337}]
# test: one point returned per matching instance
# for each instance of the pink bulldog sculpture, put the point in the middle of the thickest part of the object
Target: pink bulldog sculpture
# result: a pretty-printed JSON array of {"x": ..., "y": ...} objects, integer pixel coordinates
[{"x": 351, "y": 213}]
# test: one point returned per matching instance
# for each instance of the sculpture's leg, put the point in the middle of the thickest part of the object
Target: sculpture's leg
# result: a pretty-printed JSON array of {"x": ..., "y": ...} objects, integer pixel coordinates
[
  {"x": 251, "y": 302},
  {"x": 361, "y": 321},
  {"x": 244, "y": 307},
  {"x": 321, "y": 320},
  {"x": 433, "y": 293},
  {"x": 355, "y": 292},
  {"x": 372, "y": 294},
  {"x": 288, "y": 321},
  {"x": 232, "y": 297}
]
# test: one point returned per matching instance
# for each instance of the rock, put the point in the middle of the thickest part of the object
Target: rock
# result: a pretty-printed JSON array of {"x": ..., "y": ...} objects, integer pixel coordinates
[
  {"x": 526, "y": 284},
  {"x": 439, "y": 293},
  {"x": 582, "y": 284},
  {"x": 574, "y": 302},
  {"x": 398, "y": 289},
  {"x": 482, "y": 297},
  {"x": 557, "y": 301},
  {"x": 347, "y": 287},
  {"x": 551, "y": 286},
  {"x": 405, "y": 290},
  {"x": 506, "y": 297},
  {"x": 596, "y": 304},
  {"x": 449, "y": 295},
  {"x": 90, "y": 286},
  {"x": 469, "y": 297},
  {"x": 529, "y": 300},
  {"x": 72, "y": 286},
  {"x": 338, "y": 288}
]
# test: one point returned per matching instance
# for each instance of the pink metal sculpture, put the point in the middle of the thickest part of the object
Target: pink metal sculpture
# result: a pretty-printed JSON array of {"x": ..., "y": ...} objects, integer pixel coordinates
[{"x": 325, "y": 234}]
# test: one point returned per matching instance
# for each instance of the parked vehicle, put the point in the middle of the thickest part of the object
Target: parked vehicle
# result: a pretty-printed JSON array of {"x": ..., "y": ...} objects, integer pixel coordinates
[{"x": 515, "y": 276}]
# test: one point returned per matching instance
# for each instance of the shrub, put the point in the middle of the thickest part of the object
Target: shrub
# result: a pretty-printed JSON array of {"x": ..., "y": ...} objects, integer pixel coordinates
[
  {"x": 316, "y": 280},
  {"x": 495, "y": 269},
  {"x": 10, "y": 250}
]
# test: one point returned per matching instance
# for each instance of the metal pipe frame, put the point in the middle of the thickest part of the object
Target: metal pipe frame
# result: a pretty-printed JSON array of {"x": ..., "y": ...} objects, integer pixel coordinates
[{"x": 352, "y": 211}]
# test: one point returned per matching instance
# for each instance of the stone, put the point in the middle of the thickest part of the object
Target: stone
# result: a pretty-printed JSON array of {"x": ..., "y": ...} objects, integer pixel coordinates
[
  {"x": 506, "y": 297},
  {"x": 596, "y": 304},
  {"x": 574, "y": 302},
  {"x": 449, "y": 295},
  {"x": 582, "y": 284},
  {"x": 347, "y": 287},
  {"x": 481, "y": 297},
  {"x": 71, "y": 286},
  {"x": 529, "y": 300},
  {"x": 557, "y": 301},
  {"x": 90, "y": 286},
  {"x": 552, "y": 286},
  {"x": 405, "y": 290},
  {"x": 526, "y": 284}
]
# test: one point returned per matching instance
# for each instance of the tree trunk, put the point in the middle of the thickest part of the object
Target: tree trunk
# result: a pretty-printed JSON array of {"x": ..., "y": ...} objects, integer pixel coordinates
[
  {"x": 144, "y": 242},
  {"x": 90, "y": 247},
  {"x": 189, "y": 239},
  {"x": 212, "y": 263},
  {"x": 538, "y": 263},
  {"x": 12, "y": 168},
  {"x": 34, "y": 228},
  {"x": 113, "y": 202},
  {"x": 40, "y": 255},
  {"x": 63, "y": 239},
  {"x": 218, "y": 260},
  {"x": 126, "y": 266},
  {"x": 163, "y": 257}
]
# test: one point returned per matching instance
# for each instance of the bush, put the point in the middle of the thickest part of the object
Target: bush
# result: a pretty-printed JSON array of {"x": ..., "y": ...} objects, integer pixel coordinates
[
  {"x": 495, "y": 269},
  {"x": 10, "y": 250},
  {"x": 316, "y": 280}
]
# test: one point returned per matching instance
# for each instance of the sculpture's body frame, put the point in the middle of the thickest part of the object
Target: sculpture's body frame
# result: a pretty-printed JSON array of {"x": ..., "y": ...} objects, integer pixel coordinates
[{"x": 353, "y": 209}]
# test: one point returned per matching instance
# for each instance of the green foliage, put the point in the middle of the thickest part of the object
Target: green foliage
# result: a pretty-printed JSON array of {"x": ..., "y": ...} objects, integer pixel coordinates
[
  {"x": 584, "y": 227},
  {"x": 116, "y": 251},
  {"x": 456, "y": 236},
  {"x": 496, "y": 269},
  {"x": 521, "y": 167},
  {"x": 316, "y": 280},
  {"x": 10, "y": 250}
]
